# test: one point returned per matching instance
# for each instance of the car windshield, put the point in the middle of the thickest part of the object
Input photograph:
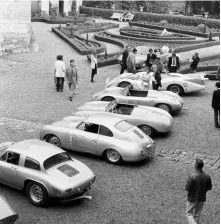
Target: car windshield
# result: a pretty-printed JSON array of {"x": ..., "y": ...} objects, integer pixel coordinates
[
  {"x": 111, "y": 106},
  {"x": 123, "y": 126},
  {"x": 56, "y": 159}
]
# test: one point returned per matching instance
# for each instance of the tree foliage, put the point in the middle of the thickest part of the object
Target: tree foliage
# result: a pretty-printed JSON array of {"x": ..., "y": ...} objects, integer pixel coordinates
[{"x": 148, "y": 6}]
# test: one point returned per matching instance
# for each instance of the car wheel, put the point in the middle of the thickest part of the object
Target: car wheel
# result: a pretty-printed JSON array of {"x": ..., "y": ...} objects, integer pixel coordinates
[
  {"x": 124, "y": 84},
  {"x": 147, "y": 130},
  {"x": 113, "y": 156},
  {"x": 37, "y": 193},
  {"x": 165, "y": 107},
  {"x": 176, "y": 89},
  {"x": 54, "y": 140},
  {"x": 108, "y": 98}
]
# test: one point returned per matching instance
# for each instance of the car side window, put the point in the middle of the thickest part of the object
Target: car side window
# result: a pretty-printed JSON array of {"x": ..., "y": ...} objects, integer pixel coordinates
[
  {"x": 105, "y": 131},
  {"x": 32, "y": 164},
  {"x": 90, "y": 127},
  {"x": 13, "y": 158},
  {"x": 4, "y": 156},
  {"x": 81, "y": 126}
]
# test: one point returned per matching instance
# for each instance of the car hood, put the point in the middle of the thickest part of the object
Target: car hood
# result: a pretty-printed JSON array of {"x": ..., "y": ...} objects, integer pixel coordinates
[
  {"x": 70, "y": 170},
  {"x": 68, "y": 123},
  {"x": 149, "y": 111},
  {"x": 101, "y": 106}
]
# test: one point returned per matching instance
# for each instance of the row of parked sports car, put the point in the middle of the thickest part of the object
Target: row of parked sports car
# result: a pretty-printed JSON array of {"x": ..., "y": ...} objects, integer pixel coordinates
[{"x": 116, "y": 124}]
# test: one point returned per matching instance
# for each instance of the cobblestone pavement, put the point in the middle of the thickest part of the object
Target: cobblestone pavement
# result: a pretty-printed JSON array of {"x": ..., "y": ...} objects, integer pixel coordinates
[{"x": 187, "y": 157}]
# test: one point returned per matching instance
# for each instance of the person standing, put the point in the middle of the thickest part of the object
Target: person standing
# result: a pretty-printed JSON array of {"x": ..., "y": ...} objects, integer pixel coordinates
[
  {"x": 151, "y": 57},
  {"x": 72, "y": 78},
  {"x": 194, "y": 62},
  {"x": 216, "y": 105},
  {"x": 197, "y": 186},
  {"x": 173, "y": 63},
  {"x": 124, "y": 60},
  {"x": 59, "y": 73},
  {"x": 131, "y": 66},
  {"x": 93, "y": 65}
]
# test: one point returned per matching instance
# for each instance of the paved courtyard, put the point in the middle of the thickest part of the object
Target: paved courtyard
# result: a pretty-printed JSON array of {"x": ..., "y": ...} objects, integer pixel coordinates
[{"x": 147, "y": 193}]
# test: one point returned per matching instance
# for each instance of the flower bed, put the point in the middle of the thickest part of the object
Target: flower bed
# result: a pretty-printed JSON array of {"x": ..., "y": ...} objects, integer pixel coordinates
[{"x": 175, "y": 28}]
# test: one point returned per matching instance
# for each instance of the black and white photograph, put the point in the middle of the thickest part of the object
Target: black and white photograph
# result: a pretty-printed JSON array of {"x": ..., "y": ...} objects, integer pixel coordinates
[{"x": 109, "y": 112}]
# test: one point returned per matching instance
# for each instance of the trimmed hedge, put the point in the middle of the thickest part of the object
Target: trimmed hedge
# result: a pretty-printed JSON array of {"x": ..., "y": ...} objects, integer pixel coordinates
[
  {"x": 57, "y": 21},
  {"x": 145, "y": 16},
  {"x": 197, "y": 34},
  {"x": 200, "y": 69}
]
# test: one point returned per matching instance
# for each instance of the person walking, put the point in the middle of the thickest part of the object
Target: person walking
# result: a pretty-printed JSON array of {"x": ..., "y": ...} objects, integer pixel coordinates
[
  {"x": 194, "y": 61},
  {"x": 93, "y": 65},
  {"x": 158, "y": 68},
  {"x": 72, "y": 79},
  {"x": 59, "y": 73},
  {"x": 131, "y": 66},
  {"x": 151, "y": 57},
  {"x": 124, "y": 60},
  {"x": 173, "y": 63},
  {"x": 216, "y": 105},
  {"x": 197, "y": 186}
]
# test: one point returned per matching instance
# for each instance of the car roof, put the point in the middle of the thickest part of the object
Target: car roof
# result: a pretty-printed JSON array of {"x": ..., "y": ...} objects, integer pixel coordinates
[
  {"x": 35, "y": 149},
  {"x": 107, "y": 120}
]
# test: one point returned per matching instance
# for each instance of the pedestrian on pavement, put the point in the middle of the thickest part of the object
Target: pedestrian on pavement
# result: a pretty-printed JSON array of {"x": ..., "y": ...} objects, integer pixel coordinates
[
  {"x": 216, "y": 105},
  {"x": 158, "y": 68},
  {"x": 59, "y": 73},
  {"x": 131, "y": 66},
  {"x": 197, "y": 186},
  {"x": 124, "y": 60},
  {"x": 173, "y": 63},
  {"x": 194, "y": 61},
  {"x": 151, "y": 57},
  {"x": 93, "y": 65},
  {"x": 72, "y": 78}
]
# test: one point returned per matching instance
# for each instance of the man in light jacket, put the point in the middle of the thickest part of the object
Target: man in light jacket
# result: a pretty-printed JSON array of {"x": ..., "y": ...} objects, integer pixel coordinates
[{"x": 59, "y": 73}]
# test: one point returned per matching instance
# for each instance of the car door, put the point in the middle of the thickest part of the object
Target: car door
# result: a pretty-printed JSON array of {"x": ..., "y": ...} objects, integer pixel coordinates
[
  {"x": 9, "y": 168},
  {"x": 84, "y": 138}
]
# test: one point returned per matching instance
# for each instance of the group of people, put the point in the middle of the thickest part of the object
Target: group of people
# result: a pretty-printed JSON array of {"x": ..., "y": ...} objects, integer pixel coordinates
[{"x": 70, "y": 74}]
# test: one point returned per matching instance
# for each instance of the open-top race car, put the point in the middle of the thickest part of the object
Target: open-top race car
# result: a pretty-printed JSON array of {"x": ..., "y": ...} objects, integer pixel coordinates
[
  {"x": 166, "y": 100},
  {"x": 174, "y": 82},
  {"x": 149, "y": 119},
  {"x": 102, "y": 135},
  {"x": 43, "y": 171}
]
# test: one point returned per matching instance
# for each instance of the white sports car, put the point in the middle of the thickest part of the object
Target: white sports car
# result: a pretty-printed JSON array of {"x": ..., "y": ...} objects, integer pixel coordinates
[{"x": 173, "y": 82}]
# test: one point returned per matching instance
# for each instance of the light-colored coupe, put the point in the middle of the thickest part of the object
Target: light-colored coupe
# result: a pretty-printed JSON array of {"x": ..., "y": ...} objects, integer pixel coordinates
[
  {"x": 102, "y": 135},
  {"x": 149, "y": 119},
  {"x": 165, "y": 100},
  {"x": 43, "y": 171},
  {"x": 173, "y": 82}
]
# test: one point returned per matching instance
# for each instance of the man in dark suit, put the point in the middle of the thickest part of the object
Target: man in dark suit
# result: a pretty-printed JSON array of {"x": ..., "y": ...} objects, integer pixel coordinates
[
  {"x": 124, "y": 60},
  {"x": 151, "y": 57},
  {"x": 194, "y": 62},
  {"x": 216, "y": 105},
  {"x": 197, "y": 186},
  {"x": 173, "y": 63}
]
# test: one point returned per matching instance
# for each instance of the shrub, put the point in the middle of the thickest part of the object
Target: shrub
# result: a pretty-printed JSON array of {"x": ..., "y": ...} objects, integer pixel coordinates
[
  {"x": 202, "y": 28},
  {"x": 154, "y": 17},
  {"x": 89, "y": 23},
  {"x": 163, "y": 23}
]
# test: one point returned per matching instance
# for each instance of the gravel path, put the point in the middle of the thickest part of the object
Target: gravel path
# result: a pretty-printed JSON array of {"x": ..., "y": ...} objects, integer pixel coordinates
[{"x": 148, "y": 193}]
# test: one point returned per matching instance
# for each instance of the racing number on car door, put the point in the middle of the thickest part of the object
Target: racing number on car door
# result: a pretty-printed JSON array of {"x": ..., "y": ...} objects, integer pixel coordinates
[{"x": 85, "y": 138}]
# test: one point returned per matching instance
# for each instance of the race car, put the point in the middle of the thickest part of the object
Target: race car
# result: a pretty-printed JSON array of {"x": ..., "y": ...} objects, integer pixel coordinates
[
  {"x": 149, "y": 119},
  {"x": 174, "y": 82},
  {"x": 43, "y": 171},
  {"x": 100, "y": 134},
  {"x": 166, "y": 100}
]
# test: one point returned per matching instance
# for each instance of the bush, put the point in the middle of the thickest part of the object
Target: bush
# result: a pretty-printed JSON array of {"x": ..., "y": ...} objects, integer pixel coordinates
[
  {"x": 154, "y": 17},
  {"x": 89, "y": 23},
  {"x": 202, "y": 28},
  {"x": 163, "y": 23}
]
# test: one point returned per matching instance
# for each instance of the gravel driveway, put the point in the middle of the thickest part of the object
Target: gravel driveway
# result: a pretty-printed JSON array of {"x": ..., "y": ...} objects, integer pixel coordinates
[{"x": 148, "y": 193}]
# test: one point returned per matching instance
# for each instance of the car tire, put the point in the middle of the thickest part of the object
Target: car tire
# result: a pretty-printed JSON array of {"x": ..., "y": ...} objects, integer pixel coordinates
[
  {"x": 176, "y": 89},
  {"x": 37, "y": 193},
  {"x": 54, "y": 140},
  {"x": 124, "y": 84},
  {"x": 108, "y": 98},
  {"x": 113, "y": 156},
  {"x": 165, "y": 107},
  {"x": 147, "y": 130}
]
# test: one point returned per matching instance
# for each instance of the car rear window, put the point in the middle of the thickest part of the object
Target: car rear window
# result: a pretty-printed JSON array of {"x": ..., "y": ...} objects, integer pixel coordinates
[
  {"x": 55, "y": 160},
  {"x": 123, "y": 126}
]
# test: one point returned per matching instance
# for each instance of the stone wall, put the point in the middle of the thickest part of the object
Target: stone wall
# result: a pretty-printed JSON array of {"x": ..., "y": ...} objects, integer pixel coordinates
[{"x": 15, "y": 25}]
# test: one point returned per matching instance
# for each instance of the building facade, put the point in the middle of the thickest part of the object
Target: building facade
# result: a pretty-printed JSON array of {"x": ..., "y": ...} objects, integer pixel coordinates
[{"x": 15, "y": 25}]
